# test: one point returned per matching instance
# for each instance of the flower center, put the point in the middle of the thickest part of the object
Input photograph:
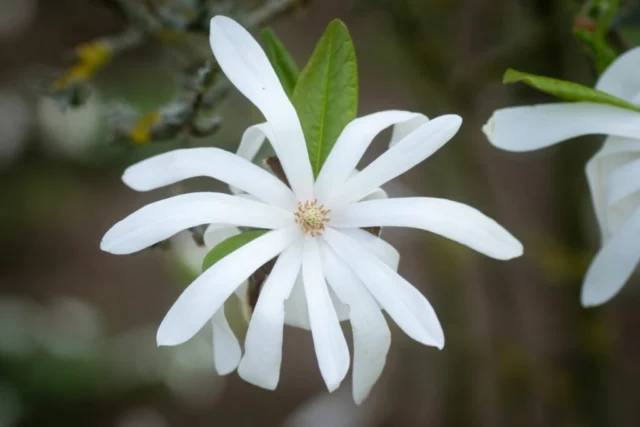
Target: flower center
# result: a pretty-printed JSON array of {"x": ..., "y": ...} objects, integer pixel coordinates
[{"x": 312, "y": 217}]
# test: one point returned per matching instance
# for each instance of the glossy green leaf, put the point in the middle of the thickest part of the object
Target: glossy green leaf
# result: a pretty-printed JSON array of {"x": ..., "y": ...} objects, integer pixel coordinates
[
  {"x": 229, "y": 245},
  {"x": 567, "y": 91},
  {"x": 281, "y": 60},
  {"x": 326, "y": 95}
]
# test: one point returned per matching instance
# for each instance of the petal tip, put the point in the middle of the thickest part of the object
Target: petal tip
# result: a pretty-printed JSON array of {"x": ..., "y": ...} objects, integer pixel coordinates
[
  {"x": 249, "y": 375},
  {"x": 589, "y": 298}
]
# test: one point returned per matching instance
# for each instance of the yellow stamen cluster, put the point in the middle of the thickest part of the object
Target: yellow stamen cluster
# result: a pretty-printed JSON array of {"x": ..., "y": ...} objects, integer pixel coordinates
[{"x": 312, "y": 217}]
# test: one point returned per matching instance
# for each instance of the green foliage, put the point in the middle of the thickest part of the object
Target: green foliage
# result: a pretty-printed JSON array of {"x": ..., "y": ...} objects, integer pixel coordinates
[
  {"x": 229, "y": 245},
  {"x": 567, "y": 91},
  {"x": 281, "y": 60},
  {"x": 326, "y": 96},
  {"x": 592, "y": 27}
]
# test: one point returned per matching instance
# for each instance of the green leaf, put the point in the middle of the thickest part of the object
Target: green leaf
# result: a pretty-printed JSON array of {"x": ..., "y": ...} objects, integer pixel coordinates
[
  {"x": 326, "y": 96},
  {"x": 601, "y": 53},
  {"x": 567, "y": 91},
  {"x": 591, "y": 28},
  {"x": 229, "y": 245},
  {"x": 281, "y": 60}
]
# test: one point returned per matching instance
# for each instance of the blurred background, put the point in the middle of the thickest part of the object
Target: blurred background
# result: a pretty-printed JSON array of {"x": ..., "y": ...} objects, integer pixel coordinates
[{"x": 77, "y": 325}]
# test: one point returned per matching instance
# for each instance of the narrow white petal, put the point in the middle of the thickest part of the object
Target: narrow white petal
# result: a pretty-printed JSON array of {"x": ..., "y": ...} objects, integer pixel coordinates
[
  {"x": 614, "y": 264},
  {"x": 197, "y": 304},
  {"x": 615, "y": 153},
  {"x": 453, "y": 220},
  {"x": 252, "y": 140},
  {"x": 160, "y": 220},
  {"x": 622, "y": 79},
  {"x": 378, "y": 247},
  {"x": 404, "y": 303},
  {"x": 351, "y": 145},
  {"x": 263, "y": 344},
  {"x": 378, "y": 193},
  {"x": 250, "y": 144},
  {"x": 329, "y": 342},
  {"x": 403, "y": 129},
  {"x": 371, "y": 335},
  {"x": 169, "y": 168},
  {"x": 217, "y": 233},
  {"x": 407, "y": 153},
  {"x": 226, "y": 349},
  {"x": 623, "y": 182},
  {"x": 296, "y": 312},
  {"x": 534, "y": 127},
  {"x": 246, "y": 65}
]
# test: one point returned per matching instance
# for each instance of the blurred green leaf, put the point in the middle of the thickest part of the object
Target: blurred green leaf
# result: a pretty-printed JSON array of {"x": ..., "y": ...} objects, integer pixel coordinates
[
  {"x": 229, "y": 245},
  {"x": 592, "y": 27},
  {"x": 567, "y": 91},
  {"x": 326, "y": 96},
  {"x": 281, "y": 60}
]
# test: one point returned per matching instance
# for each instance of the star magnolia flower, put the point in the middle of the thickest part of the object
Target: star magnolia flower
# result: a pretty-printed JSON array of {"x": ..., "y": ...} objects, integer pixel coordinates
[
  {"x": 315, "y": 228},
  {"x": 613, "y": 172}
]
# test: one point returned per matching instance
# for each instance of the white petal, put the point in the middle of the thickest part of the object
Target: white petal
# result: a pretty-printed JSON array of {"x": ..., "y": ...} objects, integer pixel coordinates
[
  {"x": 404, "y": 303},
  {"x": 197, "y": 304},
  {"x": 453, "y": 220},
  {"x": 296, "y": 312},
  {"x": 412, "y": 150},
  {"x": 613, "y": 265},
  {"x": 351, "y": 145},
  {"x": 329, "y": 342},
  {"x": 403, "y": 129},
  {"x": 252, "y": 140},
  {"x": 623, "y": 182},
  {"x": 178, "y": 165},
  {"x": 614, "y": 153},
  {"x": 539, "y": 126},
  {"x": 371, "y": 335},
  {"x": 250, "y": 144},
  {"x": 246, "y": 65},
  {"x": 263, "y": 344},
  {"x": 378, "y": 247},
  {"x": 378, "y": 193},
  {"x": 226, "y": 349},
  {"x": 160, "y": 220},
  {"x": 217, "y": 233},
  {"x": 622, "y": 79}
]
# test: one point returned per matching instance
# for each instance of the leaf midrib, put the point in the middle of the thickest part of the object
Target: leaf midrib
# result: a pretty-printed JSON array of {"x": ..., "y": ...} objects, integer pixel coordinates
[{"x": 325, "y": 102}]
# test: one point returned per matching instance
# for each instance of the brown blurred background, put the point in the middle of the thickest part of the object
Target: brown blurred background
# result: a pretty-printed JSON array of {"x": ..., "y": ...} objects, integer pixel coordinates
[{"x": 77, "y": 326}]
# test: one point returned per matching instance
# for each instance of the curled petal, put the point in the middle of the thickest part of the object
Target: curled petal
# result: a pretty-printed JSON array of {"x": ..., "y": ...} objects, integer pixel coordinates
[
  {"x": 614, "y": 264},
  {"x": 621, "y": 79}
]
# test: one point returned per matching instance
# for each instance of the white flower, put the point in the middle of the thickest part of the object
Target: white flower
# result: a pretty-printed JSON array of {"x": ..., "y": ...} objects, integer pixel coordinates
[
  {"x": 315, "y": 228},
  {"x": 613, "y": 173}
]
